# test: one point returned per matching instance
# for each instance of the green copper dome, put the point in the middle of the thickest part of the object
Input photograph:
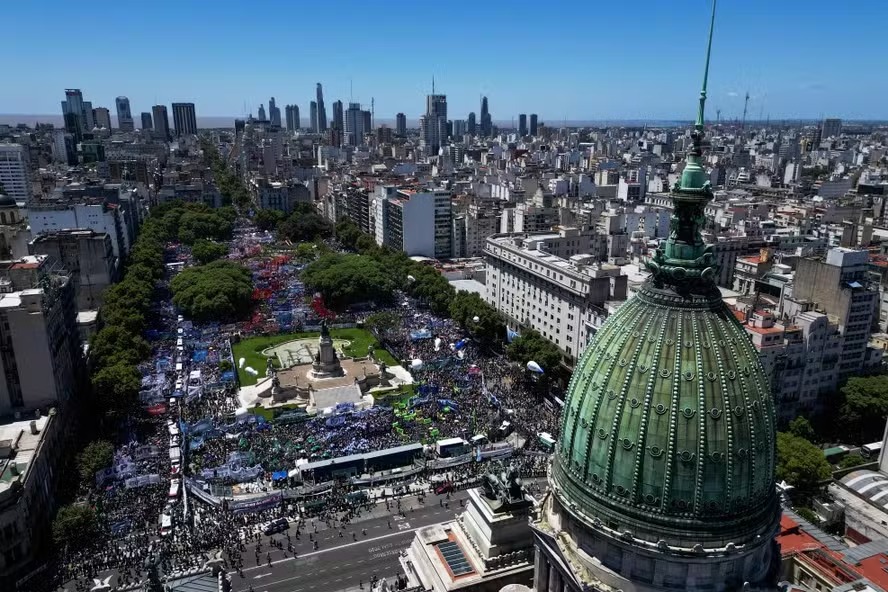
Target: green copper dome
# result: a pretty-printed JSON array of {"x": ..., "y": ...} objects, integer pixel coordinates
[{"x": 668, "y": 432}]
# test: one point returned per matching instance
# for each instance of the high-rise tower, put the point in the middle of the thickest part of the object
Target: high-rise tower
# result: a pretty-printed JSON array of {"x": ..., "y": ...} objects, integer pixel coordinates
[
  {"x": 486, "y": 122},
  {"x": 124, "y": 115},
  {"x": 338, "y": 115},
  {"x": 401, "y": 125},
  {"x": 433, "y": 125},
  {"x": 161, "y": 122},
  {"x": 322, "y": 111},
  {"x": 313, "y": 116},
  {"x": 533, "y": 124},
  {"x": 292, "y": 114},
  {"x": 184, "y": 119},
  {"x": 274, "y": 112},
  {"x": 522, "y": 124},
  {"x": 663, "y": 477},
  {"x": 471, "y": 124}
]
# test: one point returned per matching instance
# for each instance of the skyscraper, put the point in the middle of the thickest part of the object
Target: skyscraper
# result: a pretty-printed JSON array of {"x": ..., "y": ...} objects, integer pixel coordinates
[
  {"x": 261, "y": 116},
  {"x": 401, "y": 125},
  {"x": 124, "y": 115},
  {"x": 72, "y": 111},
  {"x": 354, "y": 125},
  {"x": 292, "y": 114},
  {"x": 522, "y": 124},
  {"x": 663, "y": 476},
  {"x": 313, "y": 116},
  {"x": 830, "y": 128},
  {"x": 14, "y": 171},
  {"x": 274, "y": 112},
  {"x": 184, "y": 119},
  {"x": 89, "y": 122},
  {"x": 368, "y": 121},
  {"x": 322, "y": 111},
  {"x": 433, "y": 125},
  {"x": 533, "y": 124},
  {"x": 102, "y": 117},
  {"x": 486, "y": 122},
  {"x": 146, "y": 121},
  {"x": 161, "y": 122},
  {"x": 471, "y": 124},
  {"x": 337, "y": 115}
]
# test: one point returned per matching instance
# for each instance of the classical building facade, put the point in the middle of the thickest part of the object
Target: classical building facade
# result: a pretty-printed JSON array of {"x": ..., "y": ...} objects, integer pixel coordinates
[{"x": 663, "y": 478}]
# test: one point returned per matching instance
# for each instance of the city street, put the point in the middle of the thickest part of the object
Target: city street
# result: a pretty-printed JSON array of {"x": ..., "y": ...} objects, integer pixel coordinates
[{"x": 343, "y": 562}]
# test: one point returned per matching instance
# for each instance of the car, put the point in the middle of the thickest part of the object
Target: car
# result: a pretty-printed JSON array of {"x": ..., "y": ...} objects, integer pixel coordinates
[
  {"x": 276, "y": 526},
  {"x": 445, "y": 487}
]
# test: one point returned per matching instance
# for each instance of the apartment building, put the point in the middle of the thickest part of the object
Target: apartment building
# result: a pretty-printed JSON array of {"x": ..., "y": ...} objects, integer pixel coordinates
[{"x": 547, "y": 282}]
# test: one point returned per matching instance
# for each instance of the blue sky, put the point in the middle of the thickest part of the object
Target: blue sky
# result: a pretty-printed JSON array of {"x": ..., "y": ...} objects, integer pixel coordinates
[{"x": 564, "y": 59}]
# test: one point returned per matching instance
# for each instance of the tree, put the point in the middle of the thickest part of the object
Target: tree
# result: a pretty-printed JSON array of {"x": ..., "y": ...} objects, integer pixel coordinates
[
  {"x": 802, "y": 428},
  {"x": 864, "y": 408},
  {"x": 73, "y": 525},
  {"x": 206, "y": 251},
  {"x": 531, "y": 346},
  {"x": 268, "y": 219},
  {"x": 852, "y": 460},
  {"x": 116, "y": 388},
  {"x": 800, "y": 463},
  {"x": 220, "y": 290},
  {"x": 195, "y": 225},
  {"x": 97, "y": 455},
  {"x": 465, "y": 307},
  {"x": 305, "y": 224},
  {"x": 114, "y": 344},
  {"x": 348, "y": 233},
  {"x": 382, "y": 322},
  {"x": 344, "y": 280}
]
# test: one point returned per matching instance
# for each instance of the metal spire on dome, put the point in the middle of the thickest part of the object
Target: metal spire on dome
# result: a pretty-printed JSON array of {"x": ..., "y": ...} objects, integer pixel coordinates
[{"x": 683, "y": 261}]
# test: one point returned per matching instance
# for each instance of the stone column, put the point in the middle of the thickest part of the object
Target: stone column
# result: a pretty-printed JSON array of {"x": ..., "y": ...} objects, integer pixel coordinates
[{"x": 540, "y": 572}]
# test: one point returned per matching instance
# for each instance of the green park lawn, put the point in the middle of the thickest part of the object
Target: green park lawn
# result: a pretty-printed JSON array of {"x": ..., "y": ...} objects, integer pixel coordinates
[{"x": 251, "y": 349}]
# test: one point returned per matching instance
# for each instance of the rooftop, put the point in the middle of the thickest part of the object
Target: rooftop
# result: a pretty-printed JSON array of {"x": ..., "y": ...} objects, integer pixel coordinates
[{"x": 18, "y": 448}]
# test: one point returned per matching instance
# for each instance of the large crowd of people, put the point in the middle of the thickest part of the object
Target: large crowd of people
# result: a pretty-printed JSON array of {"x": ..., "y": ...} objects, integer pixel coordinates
[{"x": 193, "y": 425}]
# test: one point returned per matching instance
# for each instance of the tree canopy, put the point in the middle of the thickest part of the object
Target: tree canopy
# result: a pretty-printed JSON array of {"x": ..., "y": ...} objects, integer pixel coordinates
[
  {"x": 344, "y": 280},
  {"x": 73, "y": 525},
  {"x": 206, "y": 251},
  {"x": 221, "y": 290},
  {"x": 800, "y": 463},
  {"x": 305, "y": 224},
  {"x": 801, "y": 427},
  {"x": 531, "y": 346},
  {"x": 96, "y": 455},
  {"x": 864, "y": 408},
  {"x": 268, "y": 219},
  {"x": 465, "y": 307}
]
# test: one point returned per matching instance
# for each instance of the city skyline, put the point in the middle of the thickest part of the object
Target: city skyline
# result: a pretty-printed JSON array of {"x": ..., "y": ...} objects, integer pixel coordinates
[{"x": 575, "y": 78}]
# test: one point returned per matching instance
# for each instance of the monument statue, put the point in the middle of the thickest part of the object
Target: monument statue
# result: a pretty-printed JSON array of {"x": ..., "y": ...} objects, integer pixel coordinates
[
  {"x": 503, "y": 488},
  {"x": 326, "y": 362}
]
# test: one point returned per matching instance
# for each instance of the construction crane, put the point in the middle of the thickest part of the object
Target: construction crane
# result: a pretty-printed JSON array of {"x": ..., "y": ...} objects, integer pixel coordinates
[{"x": 745, "y": 106}]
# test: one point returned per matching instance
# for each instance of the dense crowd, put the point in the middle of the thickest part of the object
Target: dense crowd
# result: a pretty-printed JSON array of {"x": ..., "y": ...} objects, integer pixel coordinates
[{"x": 460, "y": 391}]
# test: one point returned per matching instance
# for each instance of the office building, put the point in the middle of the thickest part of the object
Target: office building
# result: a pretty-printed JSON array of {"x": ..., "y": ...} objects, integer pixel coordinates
[
  {"x": 321, "y": 125},
  {"x": 276, "y": 195},
  {"x": 102, "y": 117},
  {"x": 486, "y": 121},
  {"x": 313, "y": 116},
  {"x": 89, "y": 120},
  {"x": 417, "y": 223},
  {"x": 830, "y": 128},
  {"x": 433, "y": 125},
  {"x": 73, "y": 112},
  {"x": 161, "y": 122},
  {"x": 14, "y": 231},
  {"x": 663, "y": 476},
  {"x": 292, "y": 114},
  {"x": 338, "y": 115},
  {"x": 533, "y": 124},
  {"x": 368, "y": 120},
  {"x": 274, "y": 112},
  {"x": 471, "y": 124},
  {"x": 41, "y": 357},
  {"x": 88, "y": 259},
  {"x": 147, "y": 123},
  {"x": 547, "y": 281},
  {"x": 184, "y": 119},
  {"x": 401, "y": 125},
  {"x": 261, "y": 116},
  {"x": 522, "y": 124},
  {"x": 124, "y": 115},
  {"x": 14, "y": 174},
  {"x": 55, "y": 216},
  {"x": 353, "y": 133}
]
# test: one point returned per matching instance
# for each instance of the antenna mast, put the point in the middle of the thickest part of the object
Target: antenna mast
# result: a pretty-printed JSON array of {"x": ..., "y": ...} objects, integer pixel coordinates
[
  {"x": 745, "y": 106},
  {"x": 372, "y": 112}
]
